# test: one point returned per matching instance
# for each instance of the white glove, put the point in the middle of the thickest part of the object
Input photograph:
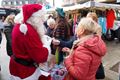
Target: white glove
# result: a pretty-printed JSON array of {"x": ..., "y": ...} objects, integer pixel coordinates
[{"x": 46, "y": 40}]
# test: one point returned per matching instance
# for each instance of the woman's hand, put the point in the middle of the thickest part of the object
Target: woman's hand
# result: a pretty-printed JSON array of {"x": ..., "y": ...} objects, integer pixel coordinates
[
  {"x": 66, "y": 50},
  {"x": 55, "y": 42}
]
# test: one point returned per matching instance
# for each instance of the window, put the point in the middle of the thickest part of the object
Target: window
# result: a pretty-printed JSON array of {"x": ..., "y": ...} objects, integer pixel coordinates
[
  {"x": 12, "y": 3},
  {"x": 26, "y": 2},
  {"x": 23, "y": 2},
  {"x": 4, "y": 3},
  {"x": 20, "y": 2},
  {"x": 15, "y": 3},
  {"x": 9, "y": 3},
  {"x": 118, "y": 1}
]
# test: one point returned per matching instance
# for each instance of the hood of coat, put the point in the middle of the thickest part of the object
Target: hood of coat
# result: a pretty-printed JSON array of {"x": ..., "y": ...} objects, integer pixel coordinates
[{"x": 96, "y": 45}]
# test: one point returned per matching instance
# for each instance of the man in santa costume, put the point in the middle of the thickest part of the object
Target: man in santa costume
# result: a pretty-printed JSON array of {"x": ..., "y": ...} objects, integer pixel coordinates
[{"x": 29, "y": 44}]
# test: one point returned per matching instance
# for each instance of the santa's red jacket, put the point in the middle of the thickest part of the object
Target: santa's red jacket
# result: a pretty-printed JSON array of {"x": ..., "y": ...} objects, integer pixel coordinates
[{"x": 28, "y": 47}]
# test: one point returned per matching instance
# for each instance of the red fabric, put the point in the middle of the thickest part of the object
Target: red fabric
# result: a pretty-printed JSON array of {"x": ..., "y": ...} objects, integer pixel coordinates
[
  {"x": 28, "y": 47},
  {"x": 29, "y": 9},
  {"x": 110, "y": 15},
  {"x": 85, "y": 60}
]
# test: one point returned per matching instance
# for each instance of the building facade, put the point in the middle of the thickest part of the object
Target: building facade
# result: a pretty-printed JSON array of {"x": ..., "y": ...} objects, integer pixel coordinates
[
  {"x": 16, "y": 3},
  {"x": 72, "y": 2}
]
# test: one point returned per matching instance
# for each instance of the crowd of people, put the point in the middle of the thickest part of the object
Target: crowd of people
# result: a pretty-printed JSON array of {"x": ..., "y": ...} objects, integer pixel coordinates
[{"x": 36, "y": 45}]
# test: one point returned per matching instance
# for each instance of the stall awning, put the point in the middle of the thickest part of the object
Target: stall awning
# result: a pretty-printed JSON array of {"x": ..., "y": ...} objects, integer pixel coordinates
[{"x": 90, "y": 4}]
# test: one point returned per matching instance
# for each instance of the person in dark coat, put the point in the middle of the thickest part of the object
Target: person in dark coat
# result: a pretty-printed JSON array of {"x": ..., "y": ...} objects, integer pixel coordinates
[
  {"x": 45, "y": 23},
  {"x": 51, "y": 26},
  {"x": 8, "y": 26},
  {"x": 61, "y": 31}
]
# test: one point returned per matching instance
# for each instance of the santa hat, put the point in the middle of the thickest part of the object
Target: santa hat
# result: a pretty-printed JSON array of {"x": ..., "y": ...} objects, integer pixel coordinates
[
  {"x": 26, "y": 12},
  {"x": 29, "y": 9}
]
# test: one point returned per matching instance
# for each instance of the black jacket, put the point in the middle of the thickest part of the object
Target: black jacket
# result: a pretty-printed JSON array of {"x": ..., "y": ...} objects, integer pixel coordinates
[{"x": 7, "y": 32}]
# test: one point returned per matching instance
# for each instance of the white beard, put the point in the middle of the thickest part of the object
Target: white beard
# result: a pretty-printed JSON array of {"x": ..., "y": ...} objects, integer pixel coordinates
[{"x": 37, "y": 24}]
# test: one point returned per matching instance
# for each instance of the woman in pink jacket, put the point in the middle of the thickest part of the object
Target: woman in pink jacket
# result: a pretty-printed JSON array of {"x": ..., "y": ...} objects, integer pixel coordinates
[{"x": 85, "y": 56}]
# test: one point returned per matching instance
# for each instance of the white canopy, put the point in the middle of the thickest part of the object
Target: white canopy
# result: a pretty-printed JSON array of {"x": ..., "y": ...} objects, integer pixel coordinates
[{"x": 90, "y": 4}]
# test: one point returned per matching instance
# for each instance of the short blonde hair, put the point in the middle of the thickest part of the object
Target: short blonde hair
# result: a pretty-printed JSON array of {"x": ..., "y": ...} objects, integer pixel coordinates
[
  {"x": 88, "y": 25},
  {"x": 93, "y": 15},
  {"x": 10, "y": 18},
  {"x": 50, "y": 21}
]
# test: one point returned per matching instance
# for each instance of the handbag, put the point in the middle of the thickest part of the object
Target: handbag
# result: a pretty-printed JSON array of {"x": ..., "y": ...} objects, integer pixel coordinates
[{"x": 100, "y": 74}]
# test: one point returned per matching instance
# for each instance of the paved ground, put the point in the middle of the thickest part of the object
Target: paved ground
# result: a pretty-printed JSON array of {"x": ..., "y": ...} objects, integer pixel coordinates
[
  {"x": 4, "y": 61},
  {"x": 112, "y": 57}
]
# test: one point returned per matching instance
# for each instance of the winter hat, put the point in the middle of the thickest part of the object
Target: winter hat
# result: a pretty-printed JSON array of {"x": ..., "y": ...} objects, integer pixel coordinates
[
  {"x": 60, "y": 12},
  {"x": 26, "y": 12}
]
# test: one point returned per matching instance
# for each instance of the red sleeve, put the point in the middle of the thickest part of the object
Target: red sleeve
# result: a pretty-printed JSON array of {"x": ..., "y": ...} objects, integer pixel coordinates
[
  {"x": 80, "y": 66},
  {"x": 35, "y": 47}
]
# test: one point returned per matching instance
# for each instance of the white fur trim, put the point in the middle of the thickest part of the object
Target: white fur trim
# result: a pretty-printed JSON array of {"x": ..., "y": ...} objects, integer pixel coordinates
[
  {"x": 34, "y": 76},
  {"x": 46, "y": 40},
  {"x": 23, "y": 28},
  {"x": 19, "y": 17},
  {"x": 36, "y": 20}
]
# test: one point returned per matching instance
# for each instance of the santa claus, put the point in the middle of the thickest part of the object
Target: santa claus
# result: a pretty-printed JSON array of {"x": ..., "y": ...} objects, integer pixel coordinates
[{"x": 29, "y": 44}]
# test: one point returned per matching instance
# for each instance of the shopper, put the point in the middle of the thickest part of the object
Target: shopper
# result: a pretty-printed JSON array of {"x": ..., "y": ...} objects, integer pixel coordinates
[
  {"x": 100, "y": 74},
  {"x": 85, "y": 56},
  {"x": 61, "y": 32},
  {"x": 51, "y": 27},
  {"x": 8, "y": 26}
]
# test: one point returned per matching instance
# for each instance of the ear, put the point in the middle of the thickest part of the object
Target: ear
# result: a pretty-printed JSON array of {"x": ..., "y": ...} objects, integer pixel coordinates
[{"x": 80, "y": 32}]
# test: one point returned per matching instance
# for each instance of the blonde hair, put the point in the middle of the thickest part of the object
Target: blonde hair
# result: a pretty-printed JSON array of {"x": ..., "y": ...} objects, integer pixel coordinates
[
  {"x": 50, "y": 21},
  {"x": 88, "y": 25},
  {"x": 10, "y": 19},
  {"x": 93, "y": 15}
]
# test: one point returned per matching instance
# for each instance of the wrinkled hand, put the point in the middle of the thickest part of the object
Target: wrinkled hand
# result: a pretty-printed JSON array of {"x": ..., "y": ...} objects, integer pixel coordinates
[
  {"x": 66, "y": 50},
  {"x": 55, "y": 41}
]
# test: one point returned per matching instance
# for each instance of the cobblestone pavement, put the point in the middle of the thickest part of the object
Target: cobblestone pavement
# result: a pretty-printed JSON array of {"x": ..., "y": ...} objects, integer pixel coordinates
[{"x": 112, "y": 57}]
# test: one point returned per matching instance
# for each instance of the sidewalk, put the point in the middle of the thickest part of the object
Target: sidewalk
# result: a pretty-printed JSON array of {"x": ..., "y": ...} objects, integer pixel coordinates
[
  {"x": 111, "y": 59},
  {"x": 4, "y": 61}
]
